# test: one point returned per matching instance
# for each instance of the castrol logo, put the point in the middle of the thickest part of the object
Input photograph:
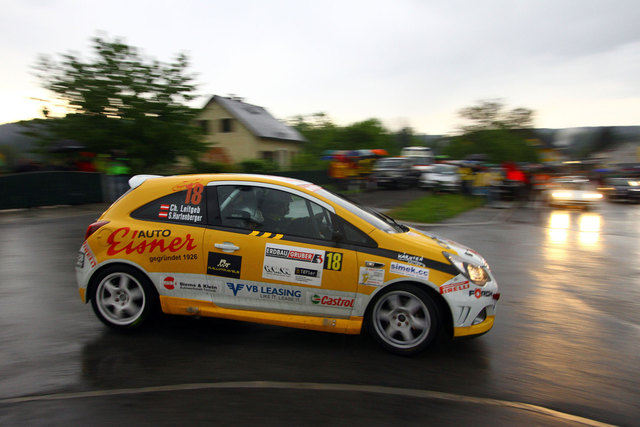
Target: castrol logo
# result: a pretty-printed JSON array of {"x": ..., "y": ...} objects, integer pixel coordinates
[{"x": 326, "y": 300}]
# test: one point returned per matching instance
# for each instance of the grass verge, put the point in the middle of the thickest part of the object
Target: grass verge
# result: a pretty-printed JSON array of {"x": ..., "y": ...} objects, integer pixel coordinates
[{"x": 436, "y": 208}]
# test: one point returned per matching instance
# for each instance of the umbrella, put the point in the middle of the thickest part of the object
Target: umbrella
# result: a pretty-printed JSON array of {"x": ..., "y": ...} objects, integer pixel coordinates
[
  {"x": 365, "y": 153},
  {"x": 380, "y": 152}
]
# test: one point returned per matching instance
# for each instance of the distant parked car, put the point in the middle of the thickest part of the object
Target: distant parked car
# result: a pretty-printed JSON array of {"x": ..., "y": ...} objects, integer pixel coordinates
[
  {"x": 395, "y": 172},
  {"x": 441, "y": 177},
  {"x": 622, "y": 189}
]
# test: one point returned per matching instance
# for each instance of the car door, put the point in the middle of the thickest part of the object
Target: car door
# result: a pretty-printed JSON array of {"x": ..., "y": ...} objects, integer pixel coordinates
[
  {"x": 256, "y": 261},
  {"x": 165, "y": 237}
]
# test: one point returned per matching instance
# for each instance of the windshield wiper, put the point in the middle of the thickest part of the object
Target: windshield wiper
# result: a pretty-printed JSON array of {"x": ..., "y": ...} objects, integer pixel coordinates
[{"x": 392, "y": 221}]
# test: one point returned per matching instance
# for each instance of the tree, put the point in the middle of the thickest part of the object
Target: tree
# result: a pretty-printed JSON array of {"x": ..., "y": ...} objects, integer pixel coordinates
[
  {"x": 323, "y": 135},
  {"x": 120, "y": 101},
  {"x": 489, "y": 115},
  {"x": 500, "y": 135}
]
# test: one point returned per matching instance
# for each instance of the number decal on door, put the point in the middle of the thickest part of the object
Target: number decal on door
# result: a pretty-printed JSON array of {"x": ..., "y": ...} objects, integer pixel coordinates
[{"x": 333, "y": 261}]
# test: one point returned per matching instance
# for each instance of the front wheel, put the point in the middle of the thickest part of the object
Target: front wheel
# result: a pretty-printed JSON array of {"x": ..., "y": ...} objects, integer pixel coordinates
[
  {"x": 122, "y": 297},
  {"x": 404, "y": 320}
]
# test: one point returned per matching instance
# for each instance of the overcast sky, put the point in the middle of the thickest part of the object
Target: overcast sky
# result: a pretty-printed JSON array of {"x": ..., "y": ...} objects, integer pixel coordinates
[{"x": 406, "y": 62}]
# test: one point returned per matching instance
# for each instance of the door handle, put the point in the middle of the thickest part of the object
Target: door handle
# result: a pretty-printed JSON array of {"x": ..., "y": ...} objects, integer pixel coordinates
[{"x": 226, "y": 247}]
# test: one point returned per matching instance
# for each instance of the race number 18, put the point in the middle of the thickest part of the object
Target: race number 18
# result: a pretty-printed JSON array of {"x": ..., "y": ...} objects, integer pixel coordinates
[
  {"x": 194, "y": 194},
  {"x": 333, "y": 261}
]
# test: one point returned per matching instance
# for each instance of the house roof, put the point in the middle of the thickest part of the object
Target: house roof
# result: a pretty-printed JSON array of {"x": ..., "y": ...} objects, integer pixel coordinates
[{"x": 257, "y": 119}]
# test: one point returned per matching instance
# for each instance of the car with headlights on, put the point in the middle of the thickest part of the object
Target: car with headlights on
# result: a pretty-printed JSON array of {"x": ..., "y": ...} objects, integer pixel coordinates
[
  {"x": 572, "y": 191},
  {"x": 279, "y": 251},
  {"x": 621, "y": 189}
]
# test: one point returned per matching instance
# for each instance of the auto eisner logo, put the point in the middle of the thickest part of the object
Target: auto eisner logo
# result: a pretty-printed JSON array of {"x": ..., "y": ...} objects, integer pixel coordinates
[
  {"x": 332, "y": 301},
  {"x": 235, "y": 287},
  {"x": 123, "y": 239}
]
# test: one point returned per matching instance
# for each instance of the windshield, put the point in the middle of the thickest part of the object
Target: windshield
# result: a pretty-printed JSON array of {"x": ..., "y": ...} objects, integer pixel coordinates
[
  {"x": 388, "y": 163},
  {"x": 376, "y": 219},
  {"x": 622, "y": 181},
  {"x": 573, "y": 185},
  {"x": 444, "y": 169}
]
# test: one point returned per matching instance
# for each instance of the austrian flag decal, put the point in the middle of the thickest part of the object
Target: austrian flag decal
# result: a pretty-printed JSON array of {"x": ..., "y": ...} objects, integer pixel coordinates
[{"x": 164, "y": 211}]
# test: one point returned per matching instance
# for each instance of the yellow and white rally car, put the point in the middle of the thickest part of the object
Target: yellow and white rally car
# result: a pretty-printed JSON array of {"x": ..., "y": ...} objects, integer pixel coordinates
[{"x": 279, "y": 251}]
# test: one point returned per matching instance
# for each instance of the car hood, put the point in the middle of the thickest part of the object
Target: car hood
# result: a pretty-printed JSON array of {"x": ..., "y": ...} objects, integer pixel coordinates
[
  {"x": 422, "y": 248},
  {"x": 451, "y": 246}
]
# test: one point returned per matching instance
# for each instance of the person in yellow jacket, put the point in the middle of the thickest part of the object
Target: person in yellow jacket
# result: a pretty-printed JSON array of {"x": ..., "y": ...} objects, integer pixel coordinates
[{"x": 466, "y": 175}]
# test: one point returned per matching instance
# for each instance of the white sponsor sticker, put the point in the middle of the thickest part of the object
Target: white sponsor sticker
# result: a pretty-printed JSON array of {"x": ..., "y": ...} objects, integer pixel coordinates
[
  {"x": 264, "y": 292},
  {"x": 409, "y": 270},
  {"x": 371, "y": 276},
  {"x": 293, "y": 264}
]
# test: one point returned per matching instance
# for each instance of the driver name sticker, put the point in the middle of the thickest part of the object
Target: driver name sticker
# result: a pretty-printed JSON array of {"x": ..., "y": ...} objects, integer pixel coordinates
[{"x": 293, "y": 264}]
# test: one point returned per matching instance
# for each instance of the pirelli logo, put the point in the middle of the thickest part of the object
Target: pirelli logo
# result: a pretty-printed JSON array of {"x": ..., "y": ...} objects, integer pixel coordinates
[{"x": 266, "y": 235}]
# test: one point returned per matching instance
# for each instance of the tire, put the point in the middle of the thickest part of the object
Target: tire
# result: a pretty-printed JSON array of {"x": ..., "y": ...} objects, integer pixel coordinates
[
  {"x": 404, "y": 320},
  {"x": 123, "y": 298}
]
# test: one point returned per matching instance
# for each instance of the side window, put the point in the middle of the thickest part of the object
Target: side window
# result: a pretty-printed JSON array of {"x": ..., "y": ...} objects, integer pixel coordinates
[
  {"x": 353, "y": 235},
  {"x": 269, "y": 210},
  {"x": 303, "y": 218},
  {"x": 238, "y": 206},
  {"x": 184, "y": 207}
]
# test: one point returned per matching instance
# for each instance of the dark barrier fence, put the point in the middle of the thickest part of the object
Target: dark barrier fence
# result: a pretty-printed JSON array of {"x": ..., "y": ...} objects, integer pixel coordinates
[
  {"x": 319, "y": 177},
  {"x": 31, "y": 189}
]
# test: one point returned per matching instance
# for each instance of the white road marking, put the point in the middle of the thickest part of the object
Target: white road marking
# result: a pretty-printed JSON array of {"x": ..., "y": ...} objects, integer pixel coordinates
[{"x": 423, "y": 394}]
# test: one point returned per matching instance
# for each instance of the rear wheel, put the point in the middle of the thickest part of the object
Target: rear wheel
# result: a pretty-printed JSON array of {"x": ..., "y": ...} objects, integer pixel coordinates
[
  {"x": 123, "y": 298},
  {"x": 404, "y": 320}
]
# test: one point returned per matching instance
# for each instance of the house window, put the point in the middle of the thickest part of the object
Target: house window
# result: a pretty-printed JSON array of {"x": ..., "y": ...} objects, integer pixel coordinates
[
  {"x": 266, "y": 155},
  {"x": 204, "y": 124},
  {"x": 226, "y": 125}
]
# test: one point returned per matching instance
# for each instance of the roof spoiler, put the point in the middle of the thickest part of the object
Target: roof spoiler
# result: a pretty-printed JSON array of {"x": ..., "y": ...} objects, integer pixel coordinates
[{"x": 137, "y": 180}]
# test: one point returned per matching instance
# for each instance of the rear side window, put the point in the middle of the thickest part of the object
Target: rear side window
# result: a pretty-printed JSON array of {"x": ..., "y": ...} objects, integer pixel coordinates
[{"x": 182, "y": 207}]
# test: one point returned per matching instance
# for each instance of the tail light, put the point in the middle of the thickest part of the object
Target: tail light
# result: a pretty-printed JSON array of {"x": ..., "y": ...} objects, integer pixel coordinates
[{"x": 93, "y": 228}]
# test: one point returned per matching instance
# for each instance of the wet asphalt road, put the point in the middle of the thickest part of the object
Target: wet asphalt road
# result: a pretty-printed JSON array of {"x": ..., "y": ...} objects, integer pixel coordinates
[{"x": 564, "y": 350}]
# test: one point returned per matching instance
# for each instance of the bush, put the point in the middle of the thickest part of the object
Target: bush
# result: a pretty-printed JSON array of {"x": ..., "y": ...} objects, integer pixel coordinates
[
  {"x": 257, "y": 166},
  {"x": 211, "y": 167}
]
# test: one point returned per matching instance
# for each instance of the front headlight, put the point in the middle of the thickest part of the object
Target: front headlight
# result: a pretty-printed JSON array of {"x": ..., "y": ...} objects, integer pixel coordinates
[
  {"x": 477, "y": 274},
  {"x": 593, "y": 196},
  {"x": 561, "y": 195}
]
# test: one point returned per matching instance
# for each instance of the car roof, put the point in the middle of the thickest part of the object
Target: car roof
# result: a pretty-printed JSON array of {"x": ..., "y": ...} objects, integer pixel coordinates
[
  {"x": 571, "y": 179},
  {"x": 138, "y": 180}
]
